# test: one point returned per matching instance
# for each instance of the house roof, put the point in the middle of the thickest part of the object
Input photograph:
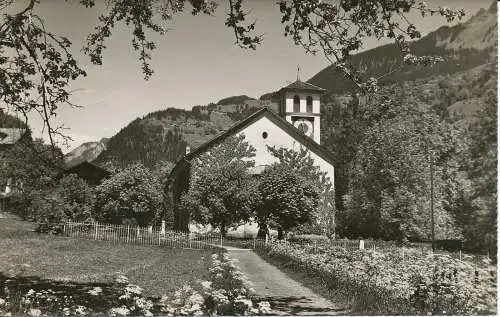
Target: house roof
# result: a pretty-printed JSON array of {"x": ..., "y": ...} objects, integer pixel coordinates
[
  {"x": 10, "y": 135},
  {"x": 279, "y": 121},
  {"x": 300, "y": 85},
  {"x": 88, "y": 171}
]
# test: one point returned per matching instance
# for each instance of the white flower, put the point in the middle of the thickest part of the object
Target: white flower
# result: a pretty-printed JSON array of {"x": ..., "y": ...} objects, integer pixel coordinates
[
  {"x": 66, "y": 311},
  {"x": 144, "y": 304},
  {"x": 33, "y": 312},
  {"x": 30, "y": 292},
  {"x": 264, "y": 307},
  {"x": 147, "y": 313},
  {"x": 95, "y": 291},
  {"x": 134, "y": 289},
  {"x": 119, "y": 311},
  {"x": 206, "y": 284},
  {"x": 2, "y": 302},
  {"x": 81, "y": 310},
  {"x": 121, "y": 279}
]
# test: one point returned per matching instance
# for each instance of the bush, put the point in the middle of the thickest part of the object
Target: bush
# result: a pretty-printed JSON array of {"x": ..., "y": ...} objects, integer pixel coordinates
[
  {"x": 72, "y": 199},
  {"x": 19, "y": 204}
]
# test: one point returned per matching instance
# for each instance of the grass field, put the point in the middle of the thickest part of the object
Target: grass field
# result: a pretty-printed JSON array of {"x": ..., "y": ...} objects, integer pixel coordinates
[{"x": 56, "y": 259}]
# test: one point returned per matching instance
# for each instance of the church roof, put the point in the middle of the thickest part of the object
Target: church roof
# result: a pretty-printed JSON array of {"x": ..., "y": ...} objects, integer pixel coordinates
[
  {"x": 300, "y": 85},
  {"x": 273, "y": 117}
]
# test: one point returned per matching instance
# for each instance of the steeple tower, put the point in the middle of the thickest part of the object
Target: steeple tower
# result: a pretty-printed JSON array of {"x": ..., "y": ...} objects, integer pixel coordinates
[{"x": 300, "y": 105}]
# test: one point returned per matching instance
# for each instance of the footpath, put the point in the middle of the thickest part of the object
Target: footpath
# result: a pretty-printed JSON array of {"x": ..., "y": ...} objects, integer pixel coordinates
[{"x": 286, "y": 296}]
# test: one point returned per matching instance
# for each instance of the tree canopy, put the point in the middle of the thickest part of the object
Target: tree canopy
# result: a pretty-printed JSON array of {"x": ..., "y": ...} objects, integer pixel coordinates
[
  {"x": 132, "y": 193},
  {"x": 323, "y": 218},
  {"x": 288, "y": 198},
  {"x": 221, "y": 191}
]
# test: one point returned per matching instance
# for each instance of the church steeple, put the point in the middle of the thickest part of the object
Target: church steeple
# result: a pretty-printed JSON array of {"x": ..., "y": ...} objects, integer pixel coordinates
[{"x": 300, "y": 105}]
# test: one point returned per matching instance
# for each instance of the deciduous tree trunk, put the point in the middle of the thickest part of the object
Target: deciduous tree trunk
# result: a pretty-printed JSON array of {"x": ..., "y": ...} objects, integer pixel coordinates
[{"x": 263, "y": 231}]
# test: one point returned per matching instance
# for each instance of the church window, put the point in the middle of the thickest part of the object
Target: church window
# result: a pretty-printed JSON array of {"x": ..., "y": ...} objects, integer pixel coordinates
[
  {"x": 264, "y": 135},
  {"x": 309, "y": 103},
  {"x": 296, "y": 103}
]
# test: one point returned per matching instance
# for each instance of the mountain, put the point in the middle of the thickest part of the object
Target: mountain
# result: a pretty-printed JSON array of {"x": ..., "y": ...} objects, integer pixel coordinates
[
  {"x": 87, "y": 152},
  {"x": 234, "y": 100},
  {"x": 463, "y": 46}
]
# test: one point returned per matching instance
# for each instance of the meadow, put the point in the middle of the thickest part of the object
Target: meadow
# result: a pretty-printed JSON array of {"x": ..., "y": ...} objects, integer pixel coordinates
[{"x": 48, "y": 259}]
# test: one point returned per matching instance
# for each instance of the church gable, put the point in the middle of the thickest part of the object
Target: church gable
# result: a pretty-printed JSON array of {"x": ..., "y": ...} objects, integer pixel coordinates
[{"x": 265, "y": 128}]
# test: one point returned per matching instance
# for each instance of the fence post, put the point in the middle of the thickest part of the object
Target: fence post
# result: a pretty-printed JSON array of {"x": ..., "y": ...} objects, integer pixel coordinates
[
  {"x": 460, "y": 254},
  {"x": 361, "y": 244},
  {"x": 163, "y": 227},
  {"x": 150, "y": 229},
  {"x": 221, "y": 239},
  {"x": 189, "y": 238},
  {"x": 96, "y": 224},
  {"x": 254, "y": 238}
]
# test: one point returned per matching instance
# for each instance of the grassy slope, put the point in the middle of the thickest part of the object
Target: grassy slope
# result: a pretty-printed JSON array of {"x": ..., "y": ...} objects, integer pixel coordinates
[{"x": 157, "y": 270}]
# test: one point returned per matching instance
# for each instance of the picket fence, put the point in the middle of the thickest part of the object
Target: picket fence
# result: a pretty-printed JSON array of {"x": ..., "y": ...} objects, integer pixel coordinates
[{"x": 134, "y": 234}]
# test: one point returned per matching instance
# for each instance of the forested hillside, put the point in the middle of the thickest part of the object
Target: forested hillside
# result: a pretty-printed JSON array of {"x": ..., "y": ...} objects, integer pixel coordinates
[{"x": 164, "y": 135}]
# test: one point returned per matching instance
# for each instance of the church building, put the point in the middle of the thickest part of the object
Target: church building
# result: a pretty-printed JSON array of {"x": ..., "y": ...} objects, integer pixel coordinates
[{"x": 295, "y": 126}]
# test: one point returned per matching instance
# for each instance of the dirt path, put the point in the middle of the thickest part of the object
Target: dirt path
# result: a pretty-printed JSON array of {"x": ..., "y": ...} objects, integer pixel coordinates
[{"x": 287, "y": 297}]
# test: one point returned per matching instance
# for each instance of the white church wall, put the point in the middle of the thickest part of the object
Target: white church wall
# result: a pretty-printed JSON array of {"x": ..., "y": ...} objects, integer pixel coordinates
[{"x": 278, "y": 138}]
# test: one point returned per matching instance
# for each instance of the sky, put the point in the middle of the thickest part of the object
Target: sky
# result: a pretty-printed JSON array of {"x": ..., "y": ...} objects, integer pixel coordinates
[{"x": 195, "y": 63}]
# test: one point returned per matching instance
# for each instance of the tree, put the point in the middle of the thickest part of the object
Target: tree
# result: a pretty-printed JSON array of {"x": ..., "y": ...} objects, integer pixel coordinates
[
  {"x": 478, "y": 212},
  {"x": 133, "y": 193},
  {"x": 288, "y": 198},
  {"x": 162, "y": 172},
  {"x": 302, "y": 163},
  {"x": 31, "y": 166},
  {"x": 37, "y": 65},
  {"x": 221, "y": 191},
  {"x": 389, "y": 192},
  {"x": 71, "y": 199}
]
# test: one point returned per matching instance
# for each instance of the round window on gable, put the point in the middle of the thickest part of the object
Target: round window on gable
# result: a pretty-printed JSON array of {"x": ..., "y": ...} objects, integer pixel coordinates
[{"x": 264, "y": 135}]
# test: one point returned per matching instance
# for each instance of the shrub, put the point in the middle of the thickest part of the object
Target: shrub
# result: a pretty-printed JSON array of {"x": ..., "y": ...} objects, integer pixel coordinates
[{"x": 72, "y": 199}]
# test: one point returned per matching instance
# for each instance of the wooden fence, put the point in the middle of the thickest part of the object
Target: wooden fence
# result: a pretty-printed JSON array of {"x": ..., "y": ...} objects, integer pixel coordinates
[{"x": 141, "y": 235}]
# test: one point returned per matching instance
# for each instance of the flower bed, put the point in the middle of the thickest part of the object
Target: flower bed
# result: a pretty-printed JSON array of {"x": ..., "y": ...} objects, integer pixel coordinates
[
  {"x": 228, "y": 292},
  {"x": 399, "y": 281}
]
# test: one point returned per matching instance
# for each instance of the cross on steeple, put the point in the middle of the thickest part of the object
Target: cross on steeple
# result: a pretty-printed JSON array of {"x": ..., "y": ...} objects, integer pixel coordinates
[{"x": 298, "y": 72}]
